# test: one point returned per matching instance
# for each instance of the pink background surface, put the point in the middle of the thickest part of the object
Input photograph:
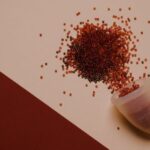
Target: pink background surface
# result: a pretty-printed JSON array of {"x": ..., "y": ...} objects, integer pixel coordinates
[{"x": 22, "y": 52}]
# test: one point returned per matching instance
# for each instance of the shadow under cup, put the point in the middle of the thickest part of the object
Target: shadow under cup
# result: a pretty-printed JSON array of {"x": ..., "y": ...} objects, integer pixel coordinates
[{"x": 135, "y": 106}]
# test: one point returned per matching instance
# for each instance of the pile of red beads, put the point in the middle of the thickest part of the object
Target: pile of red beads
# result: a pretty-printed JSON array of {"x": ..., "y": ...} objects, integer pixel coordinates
[{"x": 101, "y": 52}]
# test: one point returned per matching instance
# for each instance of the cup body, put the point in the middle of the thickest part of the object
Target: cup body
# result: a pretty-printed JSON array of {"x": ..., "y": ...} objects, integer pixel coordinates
[{"x": 135, "y": 106}]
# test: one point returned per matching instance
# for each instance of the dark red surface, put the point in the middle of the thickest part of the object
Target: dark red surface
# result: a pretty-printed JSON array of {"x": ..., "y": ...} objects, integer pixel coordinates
[{"x": 28, "y": 124}]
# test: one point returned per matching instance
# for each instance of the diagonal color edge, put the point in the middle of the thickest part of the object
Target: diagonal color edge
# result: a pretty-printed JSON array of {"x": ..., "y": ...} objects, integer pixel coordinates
[{"x": 26, "y": 123}]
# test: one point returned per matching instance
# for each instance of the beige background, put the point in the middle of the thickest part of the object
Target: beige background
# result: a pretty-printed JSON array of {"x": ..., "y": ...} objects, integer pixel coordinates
[{"x": 22, "y": 52}]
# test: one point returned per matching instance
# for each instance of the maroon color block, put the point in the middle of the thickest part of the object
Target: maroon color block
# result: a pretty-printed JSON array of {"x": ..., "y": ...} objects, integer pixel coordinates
[{"x": 28, "y": 124}]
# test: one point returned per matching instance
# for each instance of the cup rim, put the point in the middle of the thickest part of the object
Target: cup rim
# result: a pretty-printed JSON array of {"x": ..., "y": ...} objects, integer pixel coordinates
[{"x": 130, "y": 96}]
